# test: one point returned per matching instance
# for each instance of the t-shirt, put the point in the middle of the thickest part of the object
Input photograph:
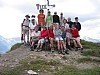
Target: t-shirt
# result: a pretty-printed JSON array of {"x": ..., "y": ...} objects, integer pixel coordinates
[
  {"x": 61, "y": 20},
  {"x": 49, "y": 19},
  {"x": 41, "y": 18},
  {"x": 56, "y": 19},
  {"x": 51, "y": 34},
  {"x": 66, "y": 26},
  {"x": 75, "y": 33},
  {"x": 32, "y": 26},
  {"x": 26, "y": 22},
  {"x": 35, "y": 33}
]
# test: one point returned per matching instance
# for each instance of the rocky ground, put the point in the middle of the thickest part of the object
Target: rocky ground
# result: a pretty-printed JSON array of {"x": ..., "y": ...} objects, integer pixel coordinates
[{"x": 13, "y": 58}]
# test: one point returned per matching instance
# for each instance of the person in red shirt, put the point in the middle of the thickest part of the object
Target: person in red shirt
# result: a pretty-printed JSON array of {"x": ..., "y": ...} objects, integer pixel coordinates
[
  {"x": 51, "y": 37},
  {"x": 41, "y": 18},
  {"x": 76, "y": 38},
  {"x": 44, "y": 36}
]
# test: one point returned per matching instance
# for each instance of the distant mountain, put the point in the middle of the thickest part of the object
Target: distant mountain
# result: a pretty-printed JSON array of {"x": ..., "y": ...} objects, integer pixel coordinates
[
  {"x": 5, "y": 44},
  {"x": 91, "y": 39}
]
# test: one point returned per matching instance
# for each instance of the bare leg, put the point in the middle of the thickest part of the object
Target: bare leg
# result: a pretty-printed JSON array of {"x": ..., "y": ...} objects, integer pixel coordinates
[
  {"x": 61, "y": 45},
  {"x": 64, "y": 45},
  {"x": 75, "y": 44},
  {"x": 58, "y": 44},
  {"x": 79, "y": 44},
  {"x": 51, "y": 42}
]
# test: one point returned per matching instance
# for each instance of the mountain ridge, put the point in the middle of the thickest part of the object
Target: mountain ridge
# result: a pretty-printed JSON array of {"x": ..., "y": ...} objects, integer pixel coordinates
[{"x": 6, "y": 44}]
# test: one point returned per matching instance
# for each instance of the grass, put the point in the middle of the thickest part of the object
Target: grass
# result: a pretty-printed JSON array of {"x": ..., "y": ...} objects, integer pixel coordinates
[
  {"x": 15, "y": 46},
  {"x": 88, "y": 60},
  {"x": 90, "y": 45},
  {"x": 39, "y": 64},
  {"x": 92, "y": 52}
]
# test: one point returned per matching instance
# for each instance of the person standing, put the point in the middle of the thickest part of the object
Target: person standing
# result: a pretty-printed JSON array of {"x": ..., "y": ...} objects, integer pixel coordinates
[
  {"x": 41, "y": 19},
  {"x": 66, "y": 26},
  {"x": 77, "y": 24},
  {"x": 49, "y": 19},
  {"x": 25, "y": 29},
  {"x": 56, "y": 18},
  {"x": 69, "y": 22},
  {"x": 61, "y": 18}
]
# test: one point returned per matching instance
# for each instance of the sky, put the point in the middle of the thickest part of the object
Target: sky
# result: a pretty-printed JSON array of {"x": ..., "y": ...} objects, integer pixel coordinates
[{"x": 12, "y": 13}]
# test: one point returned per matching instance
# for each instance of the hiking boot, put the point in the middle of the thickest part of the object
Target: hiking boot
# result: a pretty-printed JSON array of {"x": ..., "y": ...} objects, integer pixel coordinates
[
  {"x": 81, "y": 50},
  {"x": 59, "y": 51},
  {"x": 76, "y": 48},
  {"x": 66, "y": 51},
  {"x": 63, "y": 53},
  {"x": 69, "y": 47},
  {"x": 32, "y": 48},
  {"x": 37, "y": 49},
  {"x": 52, "y": 50}
]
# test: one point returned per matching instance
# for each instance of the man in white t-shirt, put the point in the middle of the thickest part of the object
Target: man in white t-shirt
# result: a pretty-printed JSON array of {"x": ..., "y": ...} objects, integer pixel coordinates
[
  {"x": 32, "y": 26},
  {"x": 35, "y": 37}
]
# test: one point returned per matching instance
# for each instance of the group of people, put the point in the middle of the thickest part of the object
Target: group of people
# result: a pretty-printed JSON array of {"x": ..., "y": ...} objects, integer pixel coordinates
[{"x": 52, "y": 28}]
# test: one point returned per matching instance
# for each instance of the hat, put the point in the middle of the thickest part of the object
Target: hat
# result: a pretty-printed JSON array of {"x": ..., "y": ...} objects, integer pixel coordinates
[
  {"x": 27, "y": 16},
  {"x": 76, "y": 17}
]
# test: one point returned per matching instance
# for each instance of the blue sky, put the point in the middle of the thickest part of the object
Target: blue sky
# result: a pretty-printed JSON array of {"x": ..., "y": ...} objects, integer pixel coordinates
[{"x": 12, "y": 13}]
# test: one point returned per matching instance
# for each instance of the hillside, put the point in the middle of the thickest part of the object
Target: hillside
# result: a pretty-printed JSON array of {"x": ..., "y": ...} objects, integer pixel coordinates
[{"x": 20, "y": 60}]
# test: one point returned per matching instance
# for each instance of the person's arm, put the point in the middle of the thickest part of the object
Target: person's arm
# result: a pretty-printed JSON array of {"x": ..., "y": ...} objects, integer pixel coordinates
[
  {"x": 79, "y": 27},
  {"x": 51, "y": 19},
  {"x": 46, "y": 19},
  {"x": 47, "y": 34}
]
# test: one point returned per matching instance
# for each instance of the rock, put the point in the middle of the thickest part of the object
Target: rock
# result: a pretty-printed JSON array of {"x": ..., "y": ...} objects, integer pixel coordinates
[{"x": 32, "y": 72}]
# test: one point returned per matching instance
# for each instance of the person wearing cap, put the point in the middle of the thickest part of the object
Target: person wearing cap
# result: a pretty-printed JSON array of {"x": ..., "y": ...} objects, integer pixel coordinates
[
  {"x": 69, "y": 22},
  {"x": 49, "y": 19},
  {"x": 77, "y": 24},
  {"x": 44, "y": 36},
  {"x": 25, "y": 29},
  {"x": 35, "y": 37},
  {"x": 61, "y": 18},
  {"x": 41, "y": 18},
  {"x": 56, "y": 18}
]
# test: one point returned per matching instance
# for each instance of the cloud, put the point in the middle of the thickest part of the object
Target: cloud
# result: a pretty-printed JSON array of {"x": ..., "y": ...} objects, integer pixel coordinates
[
  {"x": 78, "y": 7},
  {"x": 1, "y": 3},
  {"x": 10, "y": 22},
  {"x": 12, "y": 13},
  {"x": 91, "y": 28}
]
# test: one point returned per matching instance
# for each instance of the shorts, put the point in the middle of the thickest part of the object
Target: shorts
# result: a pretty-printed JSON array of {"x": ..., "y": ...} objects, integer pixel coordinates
[
  {"x": 58, "y": 38},
  {"x": 68, "y": 39},
  {"x": 48, "y": 25},
  {"x": 77, "y": 39},
  {"x": 25, "y": 30},
  {"x": 42, "y": 41},
  {"x": 35, "y": 40}
]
